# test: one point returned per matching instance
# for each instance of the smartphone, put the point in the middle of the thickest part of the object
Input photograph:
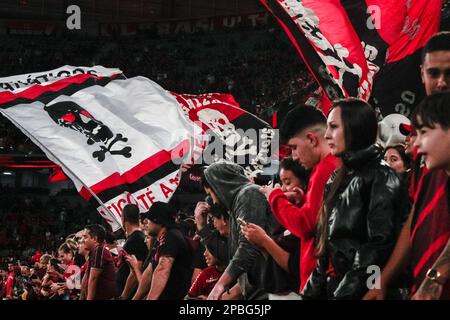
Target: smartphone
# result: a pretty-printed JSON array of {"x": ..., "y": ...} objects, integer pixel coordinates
[{"x": 242, "y": 221}]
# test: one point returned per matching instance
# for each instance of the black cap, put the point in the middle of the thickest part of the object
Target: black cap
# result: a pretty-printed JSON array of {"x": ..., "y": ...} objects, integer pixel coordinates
[{"x": 161, "y": 213}]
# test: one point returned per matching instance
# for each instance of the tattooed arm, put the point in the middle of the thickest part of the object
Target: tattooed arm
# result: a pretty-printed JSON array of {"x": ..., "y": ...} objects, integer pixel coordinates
[{"x": 160, "y": 277}]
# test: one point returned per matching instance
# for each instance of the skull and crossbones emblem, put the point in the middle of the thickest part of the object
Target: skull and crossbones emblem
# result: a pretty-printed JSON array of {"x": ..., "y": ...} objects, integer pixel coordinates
[
  {"x": 220, "y": 125},
  {"x": 68, "y": 114}
]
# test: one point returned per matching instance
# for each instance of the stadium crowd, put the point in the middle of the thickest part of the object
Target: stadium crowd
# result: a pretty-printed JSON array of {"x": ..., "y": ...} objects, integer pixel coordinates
[
  {"x": 347, "y": 219},
  {"x": 336, "y": 212}
]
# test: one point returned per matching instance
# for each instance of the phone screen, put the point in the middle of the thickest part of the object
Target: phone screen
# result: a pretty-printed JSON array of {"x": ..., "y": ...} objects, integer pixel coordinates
[{"x": 242, "y": 221}]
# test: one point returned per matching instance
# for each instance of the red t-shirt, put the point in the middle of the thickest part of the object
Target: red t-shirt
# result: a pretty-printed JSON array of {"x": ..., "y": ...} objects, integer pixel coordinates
[
  {"x": 205, "y": 282},
  {"x": 302, "y": 221},
  {"x": 9, "y": 283}
]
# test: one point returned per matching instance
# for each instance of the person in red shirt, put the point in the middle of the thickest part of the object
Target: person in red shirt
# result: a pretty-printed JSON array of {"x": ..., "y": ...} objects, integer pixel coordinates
[
  {"x": 304, "y": 130},
  {"x": 10, "y": 281},
  {"x": 216, "y": 260}
]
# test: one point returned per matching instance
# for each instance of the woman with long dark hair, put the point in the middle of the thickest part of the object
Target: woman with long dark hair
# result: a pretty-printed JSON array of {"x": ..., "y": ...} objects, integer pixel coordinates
[{"x": 364, "y": 207}]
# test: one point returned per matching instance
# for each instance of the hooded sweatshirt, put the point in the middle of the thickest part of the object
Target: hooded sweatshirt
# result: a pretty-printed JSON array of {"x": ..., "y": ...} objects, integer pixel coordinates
[{"x": 243, "y": 200}]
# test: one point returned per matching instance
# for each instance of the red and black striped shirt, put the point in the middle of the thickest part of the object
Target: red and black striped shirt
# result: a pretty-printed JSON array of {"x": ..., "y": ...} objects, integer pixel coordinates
[{"x": 430, "y": 228}]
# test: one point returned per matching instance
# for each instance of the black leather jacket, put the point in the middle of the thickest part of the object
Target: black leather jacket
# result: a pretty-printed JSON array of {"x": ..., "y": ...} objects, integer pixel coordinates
[{"x": 365, "y": 218}]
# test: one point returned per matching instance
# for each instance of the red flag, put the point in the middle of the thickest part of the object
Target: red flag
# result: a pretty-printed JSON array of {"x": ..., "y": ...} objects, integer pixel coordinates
[
  {"x": 220, "y": 115},
  {"x": 57, "y": 175},
  {"x": 362, "y": 48}
]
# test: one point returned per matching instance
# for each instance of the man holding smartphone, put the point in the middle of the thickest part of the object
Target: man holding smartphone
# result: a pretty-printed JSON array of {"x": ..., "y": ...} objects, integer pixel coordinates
[{"x": 230, "y": 189}]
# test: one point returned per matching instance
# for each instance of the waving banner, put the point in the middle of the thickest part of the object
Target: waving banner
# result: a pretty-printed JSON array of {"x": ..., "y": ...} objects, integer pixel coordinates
[
  {"x": 233, "y": 133},
  {"x": 123, "y": 140},
  {"x": 21, "y": 82},
  {"x": 364, "y": 48},
  {"x": 115, "y": 139}
]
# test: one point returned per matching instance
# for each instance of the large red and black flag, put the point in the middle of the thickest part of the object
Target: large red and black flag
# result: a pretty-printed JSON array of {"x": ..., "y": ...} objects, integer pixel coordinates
[
  {"x": 124, "y": 140},
  {"x": 116, "y": 139},
  {"x": 368, "y": 49}
]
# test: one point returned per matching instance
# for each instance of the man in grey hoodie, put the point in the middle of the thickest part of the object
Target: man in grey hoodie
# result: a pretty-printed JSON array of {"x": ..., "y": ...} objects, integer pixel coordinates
[{"x": 228, "y": 186}]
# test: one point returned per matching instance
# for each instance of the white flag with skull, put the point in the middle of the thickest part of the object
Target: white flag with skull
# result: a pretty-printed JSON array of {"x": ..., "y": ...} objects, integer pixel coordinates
[{"x": 117, "y": 139}]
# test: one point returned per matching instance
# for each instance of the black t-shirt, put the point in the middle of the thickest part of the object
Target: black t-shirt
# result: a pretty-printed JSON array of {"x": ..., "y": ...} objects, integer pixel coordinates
[
  {"x": 276, "y": 279},
  {"x": 173, "y": 244},
  {"x": 135, "y": 244}
]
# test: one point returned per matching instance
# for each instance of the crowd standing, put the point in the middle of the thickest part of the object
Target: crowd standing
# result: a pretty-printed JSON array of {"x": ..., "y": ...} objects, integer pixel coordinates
[{"x": 344, "y": 209}]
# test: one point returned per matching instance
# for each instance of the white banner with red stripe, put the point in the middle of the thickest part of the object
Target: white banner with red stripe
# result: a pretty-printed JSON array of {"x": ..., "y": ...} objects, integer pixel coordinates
[
  {"x": 24, "y": 81},
  {"x": 123, "y": 141},
  {"x": 116, "y": 139}
]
